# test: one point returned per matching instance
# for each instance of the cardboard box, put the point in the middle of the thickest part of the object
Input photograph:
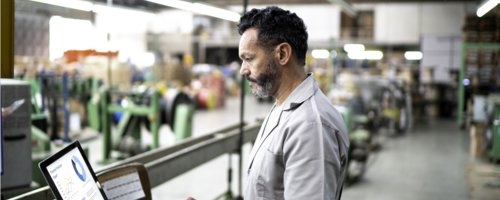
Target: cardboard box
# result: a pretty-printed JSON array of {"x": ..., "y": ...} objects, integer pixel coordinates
[{"x": 477, "y": 148}]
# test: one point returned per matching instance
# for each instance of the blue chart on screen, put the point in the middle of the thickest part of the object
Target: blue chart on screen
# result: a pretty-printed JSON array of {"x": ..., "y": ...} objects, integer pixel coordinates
[{"x": 83, "y": 175}]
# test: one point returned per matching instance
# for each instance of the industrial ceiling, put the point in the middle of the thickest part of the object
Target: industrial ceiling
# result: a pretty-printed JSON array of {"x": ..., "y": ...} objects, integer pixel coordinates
[{"x": 149, "y": 5}]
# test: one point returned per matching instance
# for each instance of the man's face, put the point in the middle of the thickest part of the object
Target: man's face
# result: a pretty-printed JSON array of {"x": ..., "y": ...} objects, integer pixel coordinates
[{"x": 258, "y": 67}]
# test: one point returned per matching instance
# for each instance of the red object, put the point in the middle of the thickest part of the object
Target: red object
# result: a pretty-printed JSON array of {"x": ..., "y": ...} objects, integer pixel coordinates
[{"x": 74, "y": 55}]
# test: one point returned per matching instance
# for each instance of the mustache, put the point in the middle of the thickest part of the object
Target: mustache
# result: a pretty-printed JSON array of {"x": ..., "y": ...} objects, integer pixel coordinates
[{"x": 251, "y": 79}]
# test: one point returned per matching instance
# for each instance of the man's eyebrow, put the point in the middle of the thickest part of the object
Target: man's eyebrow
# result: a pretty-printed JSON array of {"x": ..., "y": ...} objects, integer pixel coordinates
[{"x": 243, "y": 55}]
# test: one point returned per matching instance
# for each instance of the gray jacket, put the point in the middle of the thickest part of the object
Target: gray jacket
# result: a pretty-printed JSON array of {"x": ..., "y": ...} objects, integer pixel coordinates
[{"x": 305, "y": 155}]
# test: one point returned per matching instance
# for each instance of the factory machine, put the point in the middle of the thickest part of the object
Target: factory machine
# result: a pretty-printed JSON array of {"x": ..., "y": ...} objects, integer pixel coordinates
[
  {"x": 130, "y": 110},
  {"x": 394, "y": 107},
  {"x": 17, "y": 168},
  {"x": 492, "y": 131},
  {"x": 367, "y": 104}
]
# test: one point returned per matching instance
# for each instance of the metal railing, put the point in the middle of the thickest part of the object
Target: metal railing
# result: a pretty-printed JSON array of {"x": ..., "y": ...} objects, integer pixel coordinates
[{"x": 165, "y": 163}]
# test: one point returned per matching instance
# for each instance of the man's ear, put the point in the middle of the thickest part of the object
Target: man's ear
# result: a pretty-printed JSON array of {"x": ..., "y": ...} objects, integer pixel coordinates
[{"x": 283, "y": 53}]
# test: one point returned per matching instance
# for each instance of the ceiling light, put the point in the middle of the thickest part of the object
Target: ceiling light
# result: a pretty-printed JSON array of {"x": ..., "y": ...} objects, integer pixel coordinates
[
  {"x": 175, "y": 4},
  {"x": 144, "y": 59},
  {"x": 201, "y": 9},
  {"x": 119, "y": 11},
  {"x": 413, "y": 55},
  {"x": 216, "y": 12},
  {"x": 320, "y": 53},
  {"x": 354, "y": 47},
  {"x": 486, "y": 6},
  {"x": 74, "y": 4},
  {"x": 356, "y": 55},
  {"x": 369, "y": 55},
  {"x": 373, "y": 55}
]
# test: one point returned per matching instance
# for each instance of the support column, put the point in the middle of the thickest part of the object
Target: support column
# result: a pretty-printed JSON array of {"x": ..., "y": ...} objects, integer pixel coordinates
[{"x": 7, "y": 38}]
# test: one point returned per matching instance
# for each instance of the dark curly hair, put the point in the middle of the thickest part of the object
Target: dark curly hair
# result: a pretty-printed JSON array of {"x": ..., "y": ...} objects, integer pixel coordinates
[{"x": 275, "y": 26}]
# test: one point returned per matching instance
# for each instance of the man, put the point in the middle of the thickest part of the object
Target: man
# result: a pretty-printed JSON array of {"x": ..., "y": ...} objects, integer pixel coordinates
[{"x": 301, "y": 149}]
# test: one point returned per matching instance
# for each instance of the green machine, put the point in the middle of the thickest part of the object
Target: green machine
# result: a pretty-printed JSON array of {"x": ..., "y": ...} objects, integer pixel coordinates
[
  {"x": 492, "y": 135},
  {"x": 360, "y": 140},
  {"x": 131, "y": 109},
  {"x": 495, "y": 145},
  {"x": 42, "y": 147}
]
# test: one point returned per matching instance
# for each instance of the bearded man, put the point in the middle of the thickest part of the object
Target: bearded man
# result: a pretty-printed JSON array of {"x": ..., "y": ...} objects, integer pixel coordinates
[{"x": 301, "y": 149}]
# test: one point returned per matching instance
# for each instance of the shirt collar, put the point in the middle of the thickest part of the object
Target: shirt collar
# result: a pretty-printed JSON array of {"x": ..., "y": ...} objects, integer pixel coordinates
[{"x": 304, "y": 91}]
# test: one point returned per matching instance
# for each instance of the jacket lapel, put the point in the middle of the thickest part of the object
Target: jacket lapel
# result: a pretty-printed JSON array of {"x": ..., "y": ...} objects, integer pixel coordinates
[{"x": 263, "y": 136}]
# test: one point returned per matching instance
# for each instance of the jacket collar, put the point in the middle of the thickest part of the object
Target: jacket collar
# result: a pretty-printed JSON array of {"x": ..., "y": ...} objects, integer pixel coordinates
[{"x": 304, "y": 91}]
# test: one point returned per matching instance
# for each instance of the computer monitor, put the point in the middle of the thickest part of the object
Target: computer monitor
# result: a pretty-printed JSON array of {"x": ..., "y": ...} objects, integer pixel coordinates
[{"x": 70, "y": 176}]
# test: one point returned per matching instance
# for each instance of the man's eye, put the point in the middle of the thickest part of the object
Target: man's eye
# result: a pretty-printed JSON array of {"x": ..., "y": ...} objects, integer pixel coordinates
[{"x": 248, "y": 59}]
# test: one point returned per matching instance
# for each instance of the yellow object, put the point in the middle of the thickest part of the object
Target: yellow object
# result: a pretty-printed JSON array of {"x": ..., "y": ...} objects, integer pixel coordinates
[
  {"x": 211, "y": 100},
  {"x": 188, "y": 59},
  {"x": 162, "y": 88},
  {"x": 309, "y": 59},
  {"x": 204, "y": 36},
  {"x": 394, "y": 114},
  {"x": 217, "y": 73}
]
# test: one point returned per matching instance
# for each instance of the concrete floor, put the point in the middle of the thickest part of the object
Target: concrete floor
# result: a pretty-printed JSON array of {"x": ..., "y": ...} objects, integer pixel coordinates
[{"x": 426, "y": 163}]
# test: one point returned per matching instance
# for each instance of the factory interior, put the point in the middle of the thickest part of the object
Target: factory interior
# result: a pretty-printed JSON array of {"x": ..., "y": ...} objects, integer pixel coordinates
[{"x": 152, "y": 91}]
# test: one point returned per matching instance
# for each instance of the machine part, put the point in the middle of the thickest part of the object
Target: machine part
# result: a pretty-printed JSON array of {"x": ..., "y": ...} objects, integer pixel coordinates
[
  {"x": 168, "y": 106},
  {"x": 183, "y": 126},
  {"x": 495, "y": 145},
  {"x": 149, "y": 108},
  {"x": 394, "y": 109},
  {"x": 355, "y": 171},
  {"x": 175, "y": 98},
  {"x": 94, "y": 112},
  {"x": 17, "y": 172},
  {"x": 403, "y": 120},
  {"x": 131, "y": 146},
  {"x": 41, "y": 138},
  {"x": 488, "y": 138}
]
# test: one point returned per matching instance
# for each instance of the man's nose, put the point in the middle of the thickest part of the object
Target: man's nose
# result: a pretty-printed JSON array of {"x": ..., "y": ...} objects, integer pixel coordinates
[{"x": 244, "y": 70}]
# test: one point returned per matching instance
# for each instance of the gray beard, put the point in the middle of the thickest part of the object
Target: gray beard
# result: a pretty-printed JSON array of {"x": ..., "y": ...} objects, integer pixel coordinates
[{"x": 266, "y": 80}]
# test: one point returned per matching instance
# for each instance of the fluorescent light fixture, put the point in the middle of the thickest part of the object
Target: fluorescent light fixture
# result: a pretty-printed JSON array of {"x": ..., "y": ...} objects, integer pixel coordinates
[
  {"x": 320, "y": 53},
  {"x": 354, "y": 48},
  {"x": 123, "y": 12},
  {"x": 216, "y": 12},
  {"x": 413, "y": 55},
  {"x": 144, "y": 59},
  {"x": 201, "y": 9},
  {"x": 373, "y": 55},
  {"x": 356, "y": 55},
  {"x": 175, "y": 4},
  {"x": 74, "y": 4},
  {"x": 486, "y": 6},
  {"x": 369, "y": 55}
]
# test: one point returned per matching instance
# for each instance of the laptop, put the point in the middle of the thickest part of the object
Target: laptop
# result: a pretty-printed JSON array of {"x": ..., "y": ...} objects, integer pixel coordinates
[{"x": 70, "y": 175}]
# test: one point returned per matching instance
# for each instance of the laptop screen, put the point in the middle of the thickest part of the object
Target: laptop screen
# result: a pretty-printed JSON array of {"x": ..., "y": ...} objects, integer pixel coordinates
[{"x": 72, "y": 178}]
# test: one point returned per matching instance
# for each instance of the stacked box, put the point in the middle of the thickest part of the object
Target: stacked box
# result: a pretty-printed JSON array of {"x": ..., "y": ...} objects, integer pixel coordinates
[{"x": 481, "y": 65}]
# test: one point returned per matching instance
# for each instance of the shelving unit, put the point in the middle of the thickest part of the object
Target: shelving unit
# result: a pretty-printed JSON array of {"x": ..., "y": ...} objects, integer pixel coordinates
[{"x": 461, "y": 87}]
